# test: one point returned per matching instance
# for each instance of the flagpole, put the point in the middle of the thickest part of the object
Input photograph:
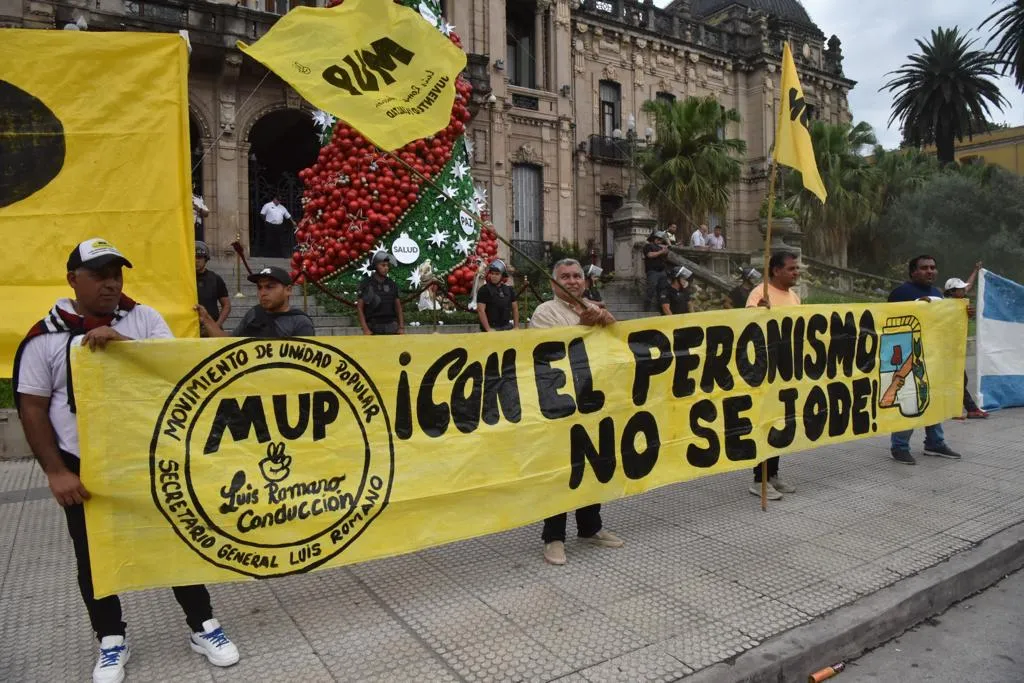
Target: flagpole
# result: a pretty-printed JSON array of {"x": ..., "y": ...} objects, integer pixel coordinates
[{"x": 767, "y": 301}]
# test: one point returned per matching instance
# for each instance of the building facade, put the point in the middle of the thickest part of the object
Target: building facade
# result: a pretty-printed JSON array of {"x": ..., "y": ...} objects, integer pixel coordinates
[{"x": 559, "y": 90}]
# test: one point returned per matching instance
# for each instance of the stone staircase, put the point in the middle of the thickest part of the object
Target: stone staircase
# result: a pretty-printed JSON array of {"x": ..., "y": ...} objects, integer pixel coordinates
[{"x": 625, "y": 300}]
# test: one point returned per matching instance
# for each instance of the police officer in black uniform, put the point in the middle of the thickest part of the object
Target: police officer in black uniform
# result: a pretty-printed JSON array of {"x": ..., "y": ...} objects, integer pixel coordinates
[
  {"x": 592, "y": 293},
  {"x": 738, "y": 296},
  {"x": 379, "y": 307},
  {"x": 496, "y": 302},
  {"x": 675, "y": 298}
]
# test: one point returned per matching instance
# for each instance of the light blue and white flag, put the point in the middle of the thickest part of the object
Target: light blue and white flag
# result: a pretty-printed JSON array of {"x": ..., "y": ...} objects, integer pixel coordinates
[{"x": 1000, "y": 342}]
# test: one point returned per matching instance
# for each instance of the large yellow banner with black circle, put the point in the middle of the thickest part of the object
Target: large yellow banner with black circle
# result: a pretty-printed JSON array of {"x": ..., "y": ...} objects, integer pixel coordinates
[
  {"x": 93, "y": 143},
  {"x": 220, "y": 460}
]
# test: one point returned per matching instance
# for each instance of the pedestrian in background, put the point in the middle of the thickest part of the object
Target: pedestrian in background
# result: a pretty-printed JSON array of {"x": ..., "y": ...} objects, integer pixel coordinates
[
  {"x": 211, "y": 288},
  {"x": 378, "y": 305}
]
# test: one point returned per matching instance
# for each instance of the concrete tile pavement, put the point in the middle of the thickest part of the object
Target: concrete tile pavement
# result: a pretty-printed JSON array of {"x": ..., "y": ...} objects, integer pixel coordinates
[{"x": 704, "y": 576}]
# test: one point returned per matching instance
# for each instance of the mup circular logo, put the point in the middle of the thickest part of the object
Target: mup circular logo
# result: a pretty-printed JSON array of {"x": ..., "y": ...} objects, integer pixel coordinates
[{"x": 272, "y": 456}]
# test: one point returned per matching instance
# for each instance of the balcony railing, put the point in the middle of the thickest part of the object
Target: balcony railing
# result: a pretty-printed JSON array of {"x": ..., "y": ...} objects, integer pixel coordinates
[{"x": 609, "y": 150}]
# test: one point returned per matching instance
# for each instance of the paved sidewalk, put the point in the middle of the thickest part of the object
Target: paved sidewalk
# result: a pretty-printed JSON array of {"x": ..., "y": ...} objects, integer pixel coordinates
[{"x": 703, "y": 577}]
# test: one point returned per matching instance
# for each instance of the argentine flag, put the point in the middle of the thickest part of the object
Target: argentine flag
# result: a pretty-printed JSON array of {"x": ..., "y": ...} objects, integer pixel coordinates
[{"x": 1000, "y": 342}]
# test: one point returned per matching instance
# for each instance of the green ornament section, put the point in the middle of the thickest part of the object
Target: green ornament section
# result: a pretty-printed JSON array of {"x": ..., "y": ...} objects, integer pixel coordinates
[{"x": 438, "y": 224}]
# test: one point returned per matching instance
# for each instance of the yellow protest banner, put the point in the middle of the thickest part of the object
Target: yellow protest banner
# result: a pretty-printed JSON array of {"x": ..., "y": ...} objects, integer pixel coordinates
[
  {"x": 93, "y": 143},
  {"x": 376, "y": 65},
  {"x": 218, "y": 460},
  {"x": 793, "y": 146}
]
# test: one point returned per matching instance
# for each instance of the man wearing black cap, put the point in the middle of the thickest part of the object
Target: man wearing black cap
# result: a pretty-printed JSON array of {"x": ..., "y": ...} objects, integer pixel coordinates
[
  {"x": 273, "y": 317},
  {"x": 675, "y": 298},
  {"x": 496, "y": 303},
  {"x": 44, "y": 392},
  {"x": 212, "y": 291},
  {"x": 655, "y": 253},
  {"x": 379, "y": 308}
]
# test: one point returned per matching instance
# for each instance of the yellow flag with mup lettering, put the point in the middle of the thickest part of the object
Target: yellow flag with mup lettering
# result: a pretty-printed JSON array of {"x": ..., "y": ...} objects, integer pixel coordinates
[
  {"x": 793, "y": 146},
  {"x": 378, "y": 66}
]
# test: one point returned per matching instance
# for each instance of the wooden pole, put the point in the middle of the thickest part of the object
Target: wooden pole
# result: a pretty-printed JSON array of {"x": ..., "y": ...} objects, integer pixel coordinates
[
  {"x": 305, "y": 297},
  {"x": 768, "y": 303}
]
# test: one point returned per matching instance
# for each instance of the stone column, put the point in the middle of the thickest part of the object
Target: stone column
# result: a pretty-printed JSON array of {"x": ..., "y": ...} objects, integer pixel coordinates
[
  {"x": 632, "y": 225},
  {"x": 540, "y": 47}
]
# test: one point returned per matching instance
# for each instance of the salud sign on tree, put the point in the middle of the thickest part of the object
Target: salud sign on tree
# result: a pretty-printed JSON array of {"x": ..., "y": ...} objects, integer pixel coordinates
[{"x": 377, "y": 65}]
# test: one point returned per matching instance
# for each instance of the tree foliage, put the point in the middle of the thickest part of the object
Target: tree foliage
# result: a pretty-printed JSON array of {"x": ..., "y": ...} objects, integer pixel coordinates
[
  {"x": 943, "y": 92},
  {"x": 691, "y": 167},
  {"x": 849, "y": 181},
  {"x": 960, "y": 216},
  {"x": 1008, "y": 37}
]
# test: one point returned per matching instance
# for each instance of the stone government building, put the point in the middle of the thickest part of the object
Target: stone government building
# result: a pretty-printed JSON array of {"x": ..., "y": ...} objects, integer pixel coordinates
[{"x": 556, "y": 84}]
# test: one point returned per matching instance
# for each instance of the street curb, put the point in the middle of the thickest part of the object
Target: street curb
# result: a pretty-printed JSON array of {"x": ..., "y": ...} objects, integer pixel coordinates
[{"x": 875, "y": 619}]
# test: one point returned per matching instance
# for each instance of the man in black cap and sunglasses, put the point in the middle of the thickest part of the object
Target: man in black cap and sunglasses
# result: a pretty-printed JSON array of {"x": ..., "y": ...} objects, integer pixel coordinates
[
  {"x": 44, "y": 392},
  {"x": 273, "y": 317}
]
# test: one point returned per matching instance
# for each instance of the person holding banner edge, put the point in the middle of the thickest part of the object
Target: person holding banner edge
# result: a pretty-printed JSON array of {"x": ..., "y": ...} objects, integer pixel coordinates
[
  {"x": 783, "y": 273},
  {"x": 921, "y": 286},
  {"x": 562, "y": 311},
  {"x": 99, "y": 314}
]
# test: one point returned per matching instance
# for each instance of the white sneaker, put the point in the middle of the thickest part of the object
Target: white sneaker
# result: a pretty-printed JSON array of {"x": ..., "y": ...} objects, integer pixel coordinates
[
  {"x": 113, "y": 656},
  {"x": 554, "y": 553},
  {"x": 604, "y": 538},
  {"x": 771, "y": 492},
  {"x": 781, "y": 486},
  {"x": 214, "y": 644}
]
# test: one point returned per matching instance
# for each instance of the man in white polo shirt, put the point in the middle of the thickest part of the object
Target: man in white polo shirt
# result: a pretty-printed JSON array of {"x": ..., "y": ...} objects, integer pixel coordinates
[
  {"x": 44, "y": 392},
  {"x": 275, "y": 237},
  {"x": 567, "y": 309}
]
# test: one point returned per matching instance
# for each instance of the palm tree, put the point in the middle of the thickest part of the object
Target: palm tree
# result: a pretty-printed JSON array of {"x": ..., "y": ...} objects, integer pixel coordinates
[
  {"x": 848, "y": 179},
  {"x": 691, "y": 166},
  {"x": 943, "y": 92},
  {"x": 1009, "y": 38}
]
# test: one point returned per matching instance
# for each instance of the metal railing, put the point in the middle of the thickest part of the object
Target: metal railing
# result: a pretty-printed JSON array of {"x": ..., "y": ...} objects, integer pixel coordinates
[{"x": 609, "y": 150}]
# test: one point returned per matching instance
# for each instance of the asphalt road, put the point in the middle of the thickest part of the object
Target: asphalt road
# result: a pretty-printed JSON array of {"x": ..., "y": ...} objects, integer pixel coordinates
[{"x": 978, "y": 640}]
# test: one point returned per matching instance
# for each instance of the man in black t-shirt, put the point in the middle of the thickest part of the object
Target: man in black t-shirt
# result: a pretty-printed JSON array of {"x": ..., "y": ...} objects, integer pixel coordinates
[
  {"x": 496, "y": 303},
  {"x": 273, "y": 317},
  {"x": 675, "y": 298},
  {"x": 379, "y": 307},
  {"x": 213, "y": 293},
  {"x": 655, "y": 256}
]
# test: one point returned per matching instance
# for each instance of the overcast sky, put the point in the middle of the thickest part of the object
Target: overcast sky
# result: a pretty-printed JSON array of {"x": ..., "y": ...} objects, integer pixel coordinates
[{"x": 878, "y": 35}]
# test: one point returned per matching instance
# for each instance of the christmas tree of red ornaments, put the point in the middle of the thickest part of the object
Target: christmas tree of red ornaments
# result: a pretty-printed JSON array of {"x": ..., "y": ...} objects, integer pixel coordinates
[{"x": 359, "y": 200}]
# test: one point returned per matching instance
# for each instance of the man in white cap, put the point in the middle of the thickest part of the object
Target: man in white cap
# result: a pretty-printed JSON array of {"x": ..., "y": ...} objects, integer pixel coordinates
[
  {"x": 99, "y": 314},
  {"x": 957, "y": 289}
]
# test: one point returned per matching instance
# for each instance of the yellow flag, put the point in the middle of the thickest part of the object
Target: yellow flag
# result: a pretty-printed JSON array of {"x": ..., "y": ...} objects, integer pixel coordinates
[
  {"x": 93, "y": 143},
  {"x": 793, "y": 146},
  {"x": 378, "y": 66}
]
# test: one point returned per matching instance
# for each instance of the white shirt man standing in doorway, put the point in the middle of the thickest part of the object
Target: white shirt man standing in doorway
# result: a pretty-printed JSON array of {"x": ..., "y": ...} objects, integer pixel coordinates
[{"x": 274, "y": 237}]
